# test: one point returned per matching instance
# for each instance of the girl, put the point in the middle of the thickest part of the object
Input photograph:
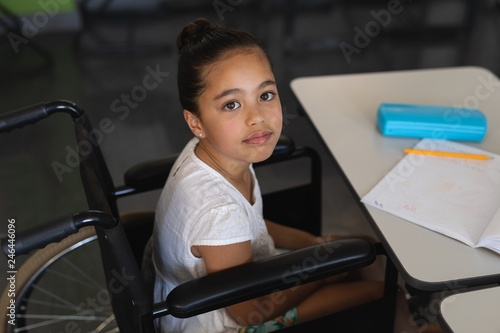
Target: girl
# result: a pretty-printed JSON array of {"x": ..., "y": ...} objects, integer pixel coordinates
[{"x": 209, "y": 216}]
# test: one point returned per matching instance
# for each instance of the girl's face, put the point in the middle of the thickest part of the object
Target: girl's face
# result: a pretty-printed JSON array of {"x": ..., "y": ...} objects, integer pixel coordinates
[{"x": 240, "y": 114}]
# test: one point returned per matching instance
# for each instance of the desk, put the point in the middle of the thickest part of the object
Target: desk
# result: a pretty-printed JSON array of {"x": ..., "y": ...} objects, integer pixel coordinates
[
  {"x": 474, "y": 311},
  {"x": 343, "y": 109}
]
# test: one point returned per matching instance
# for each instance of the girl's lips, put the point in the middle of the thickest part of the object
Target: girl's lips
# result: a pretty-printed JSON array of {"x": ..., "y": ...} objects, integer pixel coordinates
[{"x": 258, "y": 138}]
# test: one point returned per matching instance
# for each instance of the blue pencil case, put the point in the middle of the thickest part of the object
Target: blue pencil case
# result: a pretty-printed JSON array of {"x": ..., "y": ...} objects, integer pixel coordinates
[{"x": 430, "y": 121}]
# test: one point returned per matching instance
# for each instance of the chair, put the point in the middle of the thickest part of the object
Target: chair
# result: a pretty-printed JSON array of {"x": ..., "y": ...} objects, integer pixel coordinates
[
  {"x": 121, "y": 244},
  {"x": 113, "y": 31}
]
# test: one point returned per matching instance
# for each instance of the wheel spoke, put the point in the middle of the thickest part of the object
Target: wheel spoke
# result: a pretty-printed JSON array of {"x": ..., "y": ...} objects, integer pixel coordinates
[
  {"x": 54, "y": 320},
  {"x": 105, "y": 323},
  {"x": 67, "y": 288}
]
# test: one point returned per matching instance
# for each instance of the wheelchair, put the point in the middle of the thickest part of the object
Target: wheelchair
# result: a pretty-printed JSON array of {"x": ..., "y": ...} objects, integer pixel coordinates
[{"x": 99, "y": 252}]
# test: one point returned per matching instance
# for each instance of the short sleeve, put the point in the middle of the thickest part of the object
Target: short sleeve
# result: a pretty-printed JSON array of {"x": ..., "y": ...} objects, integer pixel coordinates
[{"x": 222, "y": 225}]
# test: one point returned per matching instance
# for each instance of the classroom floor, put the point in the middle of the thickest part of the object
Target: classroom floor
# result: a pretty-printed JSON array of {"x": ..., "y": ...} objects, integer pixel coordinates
[{"x": 102, "y": 68}]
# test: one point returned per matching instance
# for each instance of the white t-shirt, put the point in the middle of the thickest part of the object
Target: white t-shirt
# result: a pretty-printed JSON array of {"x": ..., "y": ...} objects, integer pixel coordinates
[{"x": 198, "y": 206}]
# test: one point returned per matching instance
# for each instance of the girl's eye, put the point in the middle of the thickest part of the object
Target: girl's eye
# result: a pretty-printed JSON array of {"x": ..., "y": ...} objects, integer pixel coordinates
[
  {"x": 232, "y": 106},
  {"x": 267, "y": 96}
]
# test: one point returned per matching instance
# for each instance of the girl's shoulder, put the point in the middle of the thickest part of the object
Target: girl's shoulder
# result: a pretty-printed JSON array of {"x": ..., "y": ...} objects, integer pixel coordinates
[{"x": 190, "y": 171}]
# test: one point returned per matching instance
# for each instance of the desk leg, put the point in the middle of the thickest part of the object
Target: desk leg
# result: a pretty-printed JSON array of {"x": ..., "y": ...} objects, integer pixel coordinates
[{"x": 390, "y": 287}]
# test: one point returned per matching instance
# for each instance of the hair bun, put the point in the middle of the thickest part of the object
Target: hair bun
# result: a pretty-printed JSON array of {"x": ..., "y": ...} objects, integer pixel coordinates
[{"x": 193, "y": 32}]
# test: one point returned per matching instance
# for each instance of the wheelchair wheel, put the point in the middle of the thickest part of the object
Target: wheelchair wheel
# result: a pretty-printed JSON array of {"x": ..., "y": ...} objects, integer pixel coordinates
[{"x": 62, "y": 288}]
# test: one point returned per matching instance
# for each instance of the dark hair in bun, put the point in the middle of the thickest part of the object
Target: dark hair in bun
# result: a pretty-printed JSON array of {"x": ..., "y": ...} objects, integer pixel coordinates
[
  {"x": 193, "y": 32},
  {"x": 201, "y": 44}
]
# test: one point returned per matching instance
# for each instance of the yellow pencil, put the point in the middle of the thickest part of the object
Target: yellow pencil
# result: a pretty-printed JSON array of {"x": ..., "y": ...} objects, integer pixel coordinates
[{"x": 446, "y": 154}]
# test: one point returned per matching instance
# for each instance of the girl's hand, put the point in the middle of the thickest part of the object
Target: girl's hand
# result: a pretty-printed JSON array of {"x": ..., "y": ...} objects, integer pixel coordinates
[{"x": 327, "y": 238}]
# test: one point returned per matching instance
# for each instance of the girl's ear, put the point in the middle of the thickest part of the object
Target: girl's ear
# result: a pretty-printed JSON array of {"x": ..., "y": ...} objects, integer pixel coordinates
[{"x": 193, "y": 122}]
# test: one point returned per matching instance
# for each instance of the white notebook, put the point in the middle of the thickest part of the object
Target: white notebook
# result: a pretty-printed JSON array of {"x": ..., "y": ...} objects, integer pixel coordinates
[{"x": 457, "y": 197}]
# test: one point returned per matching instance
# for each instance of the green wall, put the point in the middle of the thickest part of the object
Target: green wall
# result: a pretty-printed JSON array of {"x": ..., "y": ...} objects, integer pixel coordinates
[{"x": 33, "y": 6}]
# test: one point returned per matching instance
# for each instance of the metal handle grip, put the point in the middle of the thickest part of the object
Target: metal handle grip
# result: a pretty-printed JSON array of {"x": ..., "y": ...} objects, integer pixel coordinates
[
  {"x": 40, "y": 236},
  {"x": 34, "y": 113}
]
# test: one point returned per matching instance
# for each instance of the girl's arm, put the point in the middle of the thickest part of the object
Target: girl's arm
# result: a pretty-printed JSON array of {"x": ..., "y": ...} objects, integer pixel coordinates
[
  {"x": 290, "y": 238},
  {"x": 256, "y": 310}
]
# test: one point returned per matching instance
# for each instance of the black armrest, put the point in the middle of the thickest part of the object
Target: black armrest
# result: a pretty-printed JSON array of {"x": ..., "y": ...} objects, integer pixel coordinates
[
  {"x": 259, "y": 278},
  {"x": 149, "y": 175},
  {"x": 152, "y": 175}
]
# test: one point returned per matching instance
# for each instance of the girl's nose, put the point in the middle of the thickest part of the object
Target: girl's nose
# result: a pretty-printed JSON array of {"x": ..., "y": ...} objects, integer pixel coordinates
[{"x": 256, "y": 115}]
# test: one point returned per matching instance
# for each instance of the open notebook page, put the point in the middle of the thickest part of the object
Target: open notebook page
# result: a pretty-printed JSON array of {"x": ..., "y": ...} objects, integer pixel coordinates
[
  {"x": 491, "y": 236},
  {"x": 454, "y": 196}
]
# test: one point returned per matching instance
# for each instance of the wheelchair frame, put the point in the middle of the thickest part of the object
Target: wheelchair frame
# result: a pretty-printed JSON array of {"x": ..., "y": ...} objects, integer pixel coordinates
[{"x": 133, "y": 306}]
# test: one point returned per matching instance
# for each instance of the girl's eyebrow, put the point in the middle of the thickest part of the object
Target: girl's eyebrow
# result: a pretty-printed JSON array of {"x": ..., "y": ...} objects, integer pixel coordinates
[
  {"x": 267, "y": 83},
  {"x": 236, "y": 90}
]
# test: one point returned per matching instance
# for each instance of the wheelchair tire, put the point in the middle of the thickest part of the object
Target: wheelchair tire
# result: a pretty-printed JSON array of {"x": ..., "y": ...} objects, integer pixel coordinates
[{"x": 61, "y": 288}]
